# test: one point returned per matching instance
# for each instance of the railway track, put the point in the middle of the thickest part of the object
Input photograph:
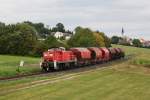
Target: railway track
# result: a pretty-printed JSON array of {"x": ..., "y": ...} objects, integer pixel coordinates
[{"x": 73, "y": 70}]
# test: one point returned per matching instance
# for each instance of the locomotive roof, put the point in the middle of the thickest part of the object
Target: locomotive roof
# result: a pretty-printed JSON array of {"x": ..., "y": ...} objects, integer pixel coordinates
[{"x": 81, "y": 49}]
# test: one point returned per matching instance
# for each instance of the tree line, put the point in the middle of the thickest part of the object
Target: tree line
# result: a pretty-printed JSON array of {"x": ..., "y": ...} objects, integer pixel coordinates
[{"x": 24, "y": 38}]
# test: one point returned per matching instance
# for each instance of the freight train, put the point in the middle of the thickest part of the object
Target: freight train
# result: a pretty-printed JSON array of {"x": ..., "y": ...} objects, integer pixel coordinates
[{"x": 59, "y": 58}]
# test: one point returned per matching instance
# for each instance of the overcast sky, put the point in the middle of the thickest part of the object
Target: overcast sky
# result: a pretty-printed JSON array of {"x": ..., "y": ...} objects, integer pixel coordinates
[{"x": 108, "y": 16}]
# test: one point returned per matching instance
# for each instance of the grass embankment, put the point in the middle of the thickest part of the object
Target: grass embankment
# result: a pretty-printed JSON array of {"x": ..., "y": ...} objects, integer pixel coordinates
[
  {"x": 9, "y": 65},
  {"x": 107, "y": 84},
  {"x": 125, "y": 81},
  {"x": 141, "y": 55}
]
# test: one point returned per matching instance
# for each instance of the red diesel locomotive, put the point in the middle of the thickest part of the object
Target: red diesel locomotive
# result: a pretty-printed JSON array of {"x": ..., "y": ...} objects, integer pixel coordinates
[{"x": 59, "y": 58}]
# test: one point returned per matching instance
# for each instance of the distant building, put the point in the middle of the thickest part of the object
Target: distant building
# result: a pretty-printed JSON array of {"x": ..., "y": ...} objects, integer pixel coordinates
[
  {"x": 142, "y": 40},
  {"x": 126, "y": 40},
  {"x": 145, "y": 43},
  {"x": 60, "y": 35}
]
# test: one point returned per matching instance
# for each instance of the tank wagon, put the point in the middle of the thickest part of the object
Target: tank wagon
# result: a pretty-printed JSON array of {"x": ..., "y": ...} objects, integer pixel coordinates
[{"x": 59, "y": 58}]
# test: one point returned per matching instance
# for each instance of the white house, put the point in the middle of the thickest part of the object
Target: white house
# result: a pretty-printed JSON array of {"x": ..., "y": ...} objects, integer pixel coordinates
[{"x": 60, "y": 34}]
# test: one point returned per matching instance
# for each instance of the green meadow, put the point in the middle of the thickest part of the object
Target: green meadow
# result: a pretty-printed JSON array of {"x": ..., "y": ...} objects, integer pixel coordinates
[{"x": 9, "y": 65}]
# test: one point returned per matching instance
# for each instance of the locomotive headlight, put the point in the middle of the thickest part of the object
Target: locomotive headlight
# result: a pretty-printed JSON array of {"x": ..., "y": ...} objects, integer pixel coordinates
[{"x": 51, "y": 55}]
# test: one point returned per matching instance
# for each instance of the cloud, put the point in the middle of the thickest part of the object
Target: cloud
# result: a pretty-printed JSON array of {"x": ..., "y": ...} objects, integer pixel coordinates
[{"x": 105, "y": 15}]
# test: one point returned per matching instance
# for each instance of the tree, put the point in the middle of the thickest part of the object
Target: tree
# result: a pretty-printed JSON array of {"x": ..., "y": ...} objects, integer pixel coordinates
[
  {"x": 19, "y": 39},
  {"x": 51, "y": 42},
  {"x": 40, "y": 47},
  {"x": 42, "y": 32},
  {"x": 58, "y": 28},
  {"x": 107, "y": 40},
  {"x": 70, "y": 32},
  {"x": 83, "y": 38},
  {"x": 99, "y": 40},
  {"x": 115, "y": 40},
  {"x": 137, "y": 43},
  {"x": 2, "y": 28},
  {"x": 3, "y": 44}
]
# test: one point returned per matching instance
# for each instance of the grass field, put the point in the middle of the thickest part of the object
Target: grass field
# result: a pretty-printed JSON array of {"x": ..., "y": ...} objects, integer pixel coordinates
[
  {"x": 9, "y": 65},
  {"x": 124, "y": 81},
  {"x": 141, "y": 55}
]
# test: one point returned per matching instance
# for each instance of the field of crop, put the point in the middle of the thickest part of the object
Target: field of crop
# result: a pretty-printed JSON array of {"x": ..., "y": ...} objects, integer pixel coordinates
[{"x": 124, "y": 81}]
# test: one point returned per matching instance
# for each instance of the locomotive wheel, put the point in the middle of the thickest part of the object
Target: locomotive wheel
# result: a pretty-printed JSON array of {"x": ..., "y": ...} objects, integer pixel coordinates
[
  {"x": 46, "y": 69},
  {"x": 72, "y": 65},
  {"x": 60, "y": 66},
  {"x": 44, "y": 66}
]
